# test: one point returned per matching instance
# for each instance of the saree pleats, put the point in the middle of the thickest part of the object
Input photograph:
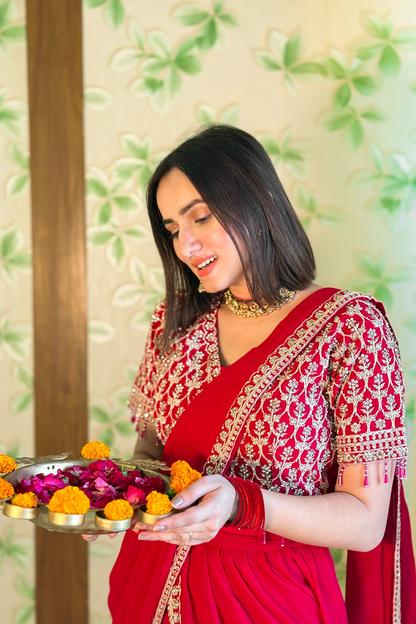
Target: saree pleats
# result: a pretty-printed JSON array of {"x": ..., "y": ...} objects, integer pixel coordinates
[
  {"x": 130, "y": 602},
  {"x": 220, "y": 585}
]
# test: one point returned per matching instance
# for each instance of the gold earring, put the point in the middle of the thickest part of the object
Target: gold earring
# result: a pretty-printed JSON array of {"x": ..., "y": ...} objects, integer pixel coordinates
[{"x": 201, "y": 288}]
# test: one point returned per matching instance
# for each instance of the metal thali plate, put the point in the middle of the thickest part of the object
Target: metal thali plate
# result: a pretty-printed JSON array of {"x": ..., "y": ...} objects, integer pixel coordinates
[{"x": 89, "y": 527}]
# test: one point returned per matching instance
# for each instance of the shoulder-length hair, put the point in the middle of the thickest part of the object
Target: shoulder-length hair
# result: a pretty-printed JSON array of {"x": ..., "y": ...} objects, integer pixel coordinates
[{"x": 236, "y": 179}]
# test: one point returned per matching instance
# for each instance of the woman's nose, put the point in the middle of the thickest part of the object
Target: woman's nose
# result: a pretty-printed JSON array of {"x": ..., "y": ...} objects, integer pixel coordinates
[{"x": 188, "y": 244}]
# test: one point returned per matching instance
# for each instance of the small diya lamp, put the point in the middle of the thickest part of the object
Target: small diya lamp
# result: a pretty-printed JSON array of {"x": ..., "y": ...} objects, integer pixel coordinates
[
  {"x": 158, "y": 506},
  {"x": 22, "y": 506},
  {"x": 116, "y": 516},
  {"x": 68, "y": 506}
]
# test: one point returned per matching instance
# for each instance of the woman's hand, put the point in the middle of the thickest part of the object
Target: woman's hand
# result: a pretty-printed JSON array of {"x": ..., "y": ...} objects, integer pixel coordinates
[
  {"x": 92, "y": 538},
  {"x": 198, "y": 524}
]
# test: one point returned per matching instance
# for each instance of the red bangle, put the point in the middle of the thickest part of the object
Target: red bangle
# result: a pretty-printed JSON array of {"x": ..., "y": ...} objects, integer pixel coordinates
[{"x": 251, "y": 514}]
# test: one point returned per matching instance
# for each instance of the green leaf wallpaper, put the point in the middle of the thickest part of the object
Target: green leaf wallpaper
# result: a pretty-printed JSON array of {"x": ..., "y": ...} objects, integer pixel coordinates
[
  {"x": 327, "y": 87},
  {"x": 329, "y": 91},
  {"x": 16, "y": 366},
  {"x": 162, "y": 67}
]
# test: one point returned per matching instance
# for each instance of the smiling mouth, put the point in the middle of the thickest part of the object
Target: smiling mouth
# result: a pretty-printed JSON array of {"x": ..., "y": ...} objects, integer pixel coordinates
[{"x": 206, "y": 263}]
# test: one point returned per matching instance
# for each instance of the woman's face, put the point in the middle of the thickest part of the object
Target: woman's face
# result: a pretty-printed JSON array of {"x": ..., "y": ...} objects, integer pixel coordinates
[{"x": 198, "y": 238}]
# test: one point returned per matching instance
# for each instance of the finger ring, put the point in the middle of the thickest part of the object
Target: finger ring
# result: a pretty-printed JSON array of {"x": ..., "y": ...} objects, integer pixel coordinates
[{"x": 190, "y": 538}]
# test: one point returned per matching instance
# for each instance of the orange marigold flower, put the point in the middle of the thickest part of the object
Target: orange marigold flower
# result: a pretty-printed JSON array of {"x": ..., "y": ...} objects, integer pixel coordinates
[
  {"x": 95, "y": 450},
  {"x": 7, "y": 464},
  {"x": 118, "y": 510},
  {"x": 158, "y": 504},
  {"x": 29, "y": 499},
  {"x": 69, "y": 500},
  {"x": 183, "y": 475},
  {"x": 6, "y": 489},
  {"x": 179, "y": 466}
]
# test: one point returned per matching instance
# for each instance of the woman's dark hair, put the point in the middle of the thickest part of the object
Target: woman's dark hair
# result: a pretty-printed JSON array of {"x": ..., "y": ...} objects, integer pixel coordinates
[{"x": 236, "y": 179}]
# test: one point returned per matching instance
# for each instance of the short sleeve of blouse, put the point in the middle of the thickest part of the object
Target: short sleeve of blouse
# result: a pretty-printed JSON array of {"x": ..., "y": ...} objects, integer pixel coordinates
[
  {"x": 366, "y": 389},
  {"x": 141, "y": 402}
]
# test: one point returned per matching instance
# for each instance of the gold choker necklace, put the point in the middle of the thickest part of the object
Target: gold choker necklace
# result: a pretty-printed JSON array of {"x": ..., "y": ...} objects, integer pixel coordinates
[{"x": 252, "y": 309}]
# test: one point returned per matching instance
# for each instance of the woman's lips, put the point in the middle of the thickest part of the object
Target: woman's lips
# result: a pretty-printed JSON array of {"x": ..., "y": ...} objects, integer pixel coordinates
[{"x": 207, "y": 270}]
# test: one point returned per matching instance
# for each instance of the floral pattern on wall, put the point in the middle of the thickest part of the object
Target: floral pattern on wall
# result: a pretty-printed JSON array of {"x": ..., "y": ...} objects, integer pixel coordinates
[
  {"x": 329, "y": 92},
  {"x": 16, "y": 323}
]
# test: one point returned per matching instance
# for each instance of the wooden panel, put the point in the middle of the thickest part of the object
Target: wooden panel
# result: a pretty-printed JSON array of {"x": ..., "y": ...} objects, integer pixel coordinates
[{"x": 54, "y": 31}]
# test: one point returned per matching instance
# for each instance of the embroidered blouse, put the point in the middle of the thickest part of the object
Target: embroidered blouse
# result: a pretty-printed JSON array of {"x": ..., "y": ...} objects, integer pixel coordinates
[{"x": 341, "y": 399}]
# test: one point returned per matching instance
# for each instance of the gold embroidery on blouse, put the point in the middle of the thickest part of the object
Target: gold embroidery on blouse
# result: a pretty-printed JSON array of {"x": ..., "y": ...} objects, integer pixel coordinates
[
  {"x": 289, "y": 442},
  {"x": 296, "y": 424},
  {"x": 372, "y": 446},
  {"x": 169, "y": 380},
  {"x": 265, "y": 377}
]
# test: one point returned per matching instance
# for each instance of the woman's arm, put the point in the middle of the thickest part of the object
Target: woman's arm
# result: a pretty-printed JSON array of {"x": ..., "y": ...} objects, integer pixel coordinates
[
  {"x": 352, "y": 517},
  {"x": 146, "y": 448}
]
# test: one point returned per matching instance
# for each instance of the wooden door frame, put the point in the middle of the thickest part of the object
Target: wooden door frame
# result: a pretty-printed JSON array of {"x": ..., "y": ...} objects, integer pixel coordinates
[{"x": 54, "y": 48}]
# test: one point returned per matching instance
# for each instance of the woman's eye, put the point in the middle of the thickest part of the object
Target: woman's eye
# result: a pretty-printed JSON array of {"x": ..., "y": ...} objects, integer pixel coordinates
[
  {"x": 203, "y": 219},
  {"x": 175, "y": 233}
]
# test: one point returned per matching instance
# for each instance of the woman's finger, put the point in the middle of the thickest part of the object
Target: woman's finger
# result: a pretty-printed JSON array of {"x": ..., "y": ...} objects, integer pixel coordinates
[
  {"x": 182, "y": 539},
  {"x": 210, "y": 508},
  {"x": 204, "y": 531},
  {"x": 193, "y": 492},
  {"x": 92, "y": 538},
  {"x": 140, "y": 526},
  {"x": 185, "y": 519},
  {"x": 194, "y": 542}
]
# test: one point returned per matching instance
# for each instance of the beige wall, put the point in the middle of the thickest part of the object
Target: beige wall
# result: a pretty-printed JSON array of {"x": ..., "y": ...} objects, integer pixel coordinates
[
  {"x": 343, "y": 230},
  {"x": 356, "y": 245},
  {"x": 16, "y": 365}
]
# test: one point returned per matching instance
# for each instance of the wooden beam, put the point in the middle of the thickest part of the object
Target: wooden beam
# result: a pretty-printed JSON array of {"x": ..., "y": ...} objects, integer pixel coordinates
[{"x": 54, "y": 33}]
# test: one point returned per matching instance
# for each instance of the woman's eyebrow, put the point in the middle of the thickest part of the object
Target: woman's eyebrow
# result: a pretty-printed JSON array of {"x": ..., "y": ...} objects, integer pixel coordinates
[{"x": 185, "y": 209}]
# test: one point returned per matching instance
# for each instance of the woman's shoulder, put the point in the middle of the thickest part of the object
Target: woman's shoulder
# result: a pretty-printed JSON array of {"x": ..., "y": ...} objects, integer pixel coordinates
[
  {"x": 354, "y": 303},
  {"x": 158, "y": 315},
  {"x": 362, "y": 307},
  {"x": 203, "y": 325},
  {"x": 363, "y": 318},
  {"x": 157, "y": 323}
]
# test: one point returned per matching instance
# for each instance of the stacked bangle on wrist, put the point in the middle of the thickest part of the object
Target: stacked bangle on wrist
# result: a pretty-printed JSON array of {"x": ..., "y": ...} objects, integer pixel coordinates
[{"x": 250, "y": 514}]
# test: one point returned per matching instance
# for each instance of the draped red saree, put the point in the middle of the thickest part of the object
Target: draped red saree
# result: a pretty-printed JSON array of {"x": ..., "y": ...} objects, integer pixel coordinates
[{"x": 244, "y": 577}]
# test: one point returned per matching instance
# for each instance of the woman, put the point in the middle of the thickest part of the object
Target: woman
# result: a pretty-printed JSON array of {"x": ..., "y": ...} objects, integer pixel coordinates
[{"x": 288, "y": 398}]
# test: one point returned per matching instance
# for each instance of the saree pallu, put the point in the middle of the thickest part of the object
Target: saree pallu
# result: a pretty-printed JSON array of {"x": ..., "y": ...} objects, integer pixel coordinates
[{"x": 235, "y": 577}]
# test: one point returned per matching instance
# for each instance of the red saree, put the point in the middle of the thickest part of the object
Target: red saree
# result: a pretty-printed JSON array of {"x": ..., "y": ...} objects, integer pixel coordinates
[{"x": 237, "y": 577}]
